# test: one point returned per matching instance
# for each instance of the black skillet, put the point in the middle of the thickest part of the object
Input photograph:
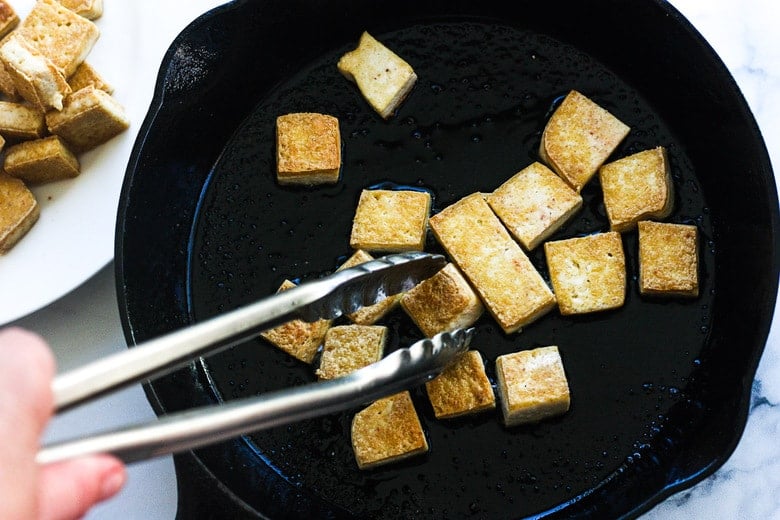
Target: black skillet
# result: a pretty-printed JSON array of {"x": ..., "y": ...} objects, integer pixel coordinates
[{"x": 660, "y": 388}]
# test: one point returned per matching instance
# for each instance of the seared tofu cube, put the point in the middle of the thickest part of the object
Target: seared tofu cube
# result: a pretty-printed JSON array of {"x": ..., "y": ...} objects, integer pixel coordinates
[
  {"x": 41, "y": 160},
  {"x": 350, "y": 347},
  {"x": 462, "y": 388},
  {"x": 308, "y": 149},
  {"x": 19, "y": 211},
  {"x": 89, "y": 118},
  {"x": 443, "y": 302},
  {"x": 21, "y": 121},
  {"x": 298, "y": 338},
  {"x": 588, "y": 273},
  {"x": 391, "y": 220},
  {"x": 668, "y": 259},
  {"x": 532, "y": 385},
  {"x": 383, "y": 78},
  {"x": 8, "y": 18},
  {"x": 579, "y": 137},
  {"x": 372, "y": 313},
  {"x": 506, "y": 281},
  {"x": 637, "y": 187},
  {"x": 387, "y": 431},
  {"x": 534, "y": 203}
]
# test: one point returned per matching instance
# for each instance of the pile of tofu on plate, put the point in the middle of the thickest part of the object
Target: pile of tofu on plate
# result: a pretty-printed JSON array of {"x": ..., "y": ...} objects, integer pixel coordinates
[
  {"x": 54, "y": 105},
  {"x": 486, "y": 237}
]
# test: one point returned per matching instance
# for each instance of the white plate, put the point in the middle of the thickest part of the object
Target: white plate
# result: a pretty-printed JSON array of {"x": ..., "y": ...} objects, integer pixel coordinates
[{"x": 74, "y": 237}]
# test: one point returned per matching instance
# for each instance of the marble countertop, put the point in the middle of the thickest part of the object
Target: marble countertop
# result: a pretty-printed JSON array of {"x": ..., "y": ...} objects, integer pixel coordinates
[{"x": 745, "y": 34}]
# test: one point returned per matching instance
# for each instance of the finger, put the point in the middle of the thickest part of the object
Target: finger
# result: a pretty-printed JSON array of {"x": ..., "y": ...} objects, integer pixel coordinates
[
  {"x": 26, "y": 369},
  {"x": 69, "y": 489}
]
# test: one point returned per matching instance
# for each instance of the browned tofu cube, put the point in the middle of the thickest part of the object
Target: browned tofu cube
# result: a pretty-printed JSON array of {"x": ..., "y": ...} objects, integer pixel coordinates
[
  {"x": 534, "y": 203},
  {"x": 19, "y": 211},
  {"x": 308, "y": 149},
  {"x": 391, "y": 220},
  {"x": 87, "y": 76},
  {"x": 532, "y": 385},
  {"x": 298, "y": 338},
  {"x": 462, "y": 388},
  {"x": 89, "y": 9},
  {"x": 372, "y": 313},
  {"x": 58, "y": 33},
  {"x": 41, "y": 160},
  {"x": 21, "y": 121},
  {"x": 351, "y": 347},
  {"x": 387, "y": 431},
  {"x": 637, "y": 187},
  {"x": 383, "y": 78},
  {"x": 89, "y": 117},
  {"x": 668, "y": 259},
  {"x": 588, "y": 273},
  {"x": 35, "y": 77},
  {"x": 508, "y": 284},
  {"x": 8, "y": 18},
  {"x": 579, "y": 137},
  {"x": 445, "y": 301}
]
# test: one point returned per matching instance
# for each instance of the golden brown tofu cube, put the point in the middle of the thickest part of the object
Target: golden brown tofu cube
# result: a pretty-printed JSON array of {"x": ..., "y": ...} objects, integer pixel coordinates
[
  {"x": 532, "y": 385},
  {"x": 383, "y": 78},
  {"x": 59, "y": 34},
  {"x": 21, "y": 121},
  {"x": 462, "y": 388},
  {"x": 508, "y": 284},
  {"x": 588, "y": 273},
  {"x": 387, "y": 431},
  {"x": 668, "y": 259},
  {"x": 41, "y": 160},
  {"x": 19, "y": 211},
  {"x": 89, "y": 9},
  {"x": 534, "y": 203},
  {"x": 351, "y": 347},
  {"x": 391, "y": 220},
  {"x": 7, "y": 85},
  {"x": 636, "y": 188},
  {"x": 89, "y": 118},
  {"x": 298, "y": 338},
  {"x": 443, "y": 302},
  {"x": 579, "y": 137},
  {"x": 35, "y": 77},
  {"x": 308, "y": 149},
  {"x": 372, "y": 313},
  {"x": 87, "y": 76},
  {"x": 8, "y": 18}
]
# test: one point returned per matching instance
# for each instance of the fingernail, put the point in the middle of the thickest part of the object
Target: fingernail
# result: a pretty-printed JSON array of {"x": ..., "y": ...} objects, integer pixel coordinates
[{"x": 112, "y": 483}]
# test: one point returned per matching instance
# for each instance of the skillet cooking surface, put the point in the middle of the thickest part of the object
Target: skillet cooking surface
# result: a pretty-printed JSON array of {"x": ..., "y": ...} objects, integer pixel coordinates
[{"x": 659, "y": 387}]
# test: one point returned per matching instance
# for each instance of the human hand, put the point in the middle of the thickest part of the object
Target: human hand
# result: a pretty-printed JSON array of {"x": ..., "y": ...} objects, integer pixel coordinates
[{"x": 61, "y": 491}]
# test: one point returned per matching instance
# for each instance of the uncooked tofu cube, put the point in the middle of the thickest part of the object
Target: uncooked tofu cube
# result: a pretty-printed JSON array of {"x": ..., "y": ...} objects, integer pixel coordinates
[
  {"x": 579, "y": 137},
  {"x": 588, "y": 273},
  {"x": 41, "y": 160},
  {"x": 668, "y": 259},
  {"x": 308, "y": 149},
  {"x": 372, "y": 313},
  {"x": 532, "y": 385},
  {"x": 19, "y": 211},
  {"x": 387, "y": 431},
  {"x": 534, "y": 203},
  {"x": 507, "y": 282},
  {"x": 637, "y": 187},
  {"x": 443, "y": 302},
  {"x": 391, "y": 220},
  {"x": 462, "y": 388},
  {"x": 350, "y": 347},
  {"x": 298, "y": 338},
  {"x": 383, "y": 78}
]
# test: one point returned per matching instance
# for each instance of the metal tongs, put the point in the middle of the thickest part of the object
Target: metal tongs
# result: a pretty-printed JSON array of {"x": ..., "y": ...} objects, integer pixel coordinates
[{"x": 342, "y": 292}]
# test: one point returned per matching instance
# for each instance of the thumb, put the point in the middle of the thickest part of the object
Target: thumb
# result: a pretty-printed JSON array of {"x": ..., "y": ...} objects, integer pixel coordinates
[{"x": 25, "y": 407}]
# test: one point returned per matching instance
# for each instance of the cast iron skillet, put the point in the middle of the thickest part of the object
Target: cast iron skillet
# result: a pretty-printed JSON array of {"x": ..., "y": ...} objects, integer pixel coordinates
[{"x": 660, "y": 388}]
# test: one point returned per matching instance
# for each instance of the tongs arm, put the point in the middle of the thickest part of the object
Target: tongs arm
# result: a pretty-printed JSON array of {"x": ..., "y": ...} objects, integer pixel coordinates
[{"x": 340, "y": 293}]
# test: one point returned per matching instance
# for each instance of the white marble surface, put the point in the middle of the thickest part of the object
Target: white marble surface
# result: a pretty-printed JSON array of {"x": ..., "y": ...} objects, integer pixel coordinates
[{"x": 746, "y": 34}]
